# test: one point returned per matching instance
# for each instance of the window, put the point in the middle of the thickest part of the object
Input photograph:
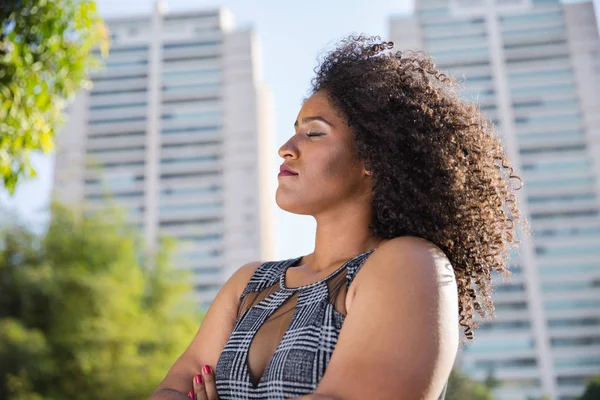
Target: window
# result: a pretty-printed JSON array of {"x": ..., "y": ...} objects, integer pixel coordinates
[
  {"x": 534, "y": 45},
  {"x": 115, "y": 150},
  {"x": 117, "y": 120},
  {"x": 557, "y": 103},
  {"x": 104, "y": 78},
  {"x": 572, "y": 181},
  {"x": 200, "y": 238},
  {"x": 513, "y": 306},
  {"x": 192, "y": 129},
  {"x": 182, "y": 191},
  {"x": 453, "y": 24},
  {"x": 512, "y": 363},
  {"x": 119, "y": 180},
  {"x": 130, "y": 135},
  {"x": 195, "y": 207},
  {"x": 128, "y": 50},
  {"x": 558, "y": 165},
  {"x": 562, "y": 323},
  {"x": 207, "y": 287},
  {"x": 577, "y": 362},
  {"x": 555, "y": 149},
  {"x": 565, "y": 214},
  {"x": 207, "y": 272},
  {"x": 120, "y": 64},
  {"x": 530, "y": 17},
  {"x": 190, "y": 160},
  {"x": 549, "y": 74},
  {"x": 98, "y": 92},
  {"x": 572, "y": 380},
  {"x": 554, "y": 89},
  {"x": 195, "y": 174},
  {"x": 567, "y": 198},
  {"x": 570, "y": 286},
  {"x": 192, "y": 115},
  {"x": 184, "y": 45},
  {"x": 121, "y": 164},
  {"x": 509, "y": 288},
  {"x": 569, "y": 231},
  {"x": 531, "y": 139},
  {"x": 431, "y": 12},
  {"x": 189, "y": 222},
  {"x": 186, "y": 87},
  {"x": 512, "y": 325},
  {"x": 461, "y": 53},
  {"x": 119, "y": 106},
  {"x": 482, "y": 345},
  {"x": 186, "y": 145},
  {"x": 565, "y": 304},
  {"x": 93, "y": 196},
  {"x": 544, "y": 119},
  {"x": 570, "y": 269}
]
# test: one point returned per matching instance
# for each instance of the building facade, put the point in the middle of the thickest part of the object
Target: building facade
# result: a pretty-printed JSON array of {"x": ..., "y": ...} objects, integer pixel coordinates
[
  {"x": 177, "y": 129},
  {"x": 534, "y": 68}
]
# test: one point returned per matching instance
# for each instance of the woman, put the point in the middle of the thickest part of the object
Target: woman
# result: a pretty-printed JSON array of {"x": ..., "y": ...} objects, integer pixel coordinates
[{"x": 414, "y": 210}]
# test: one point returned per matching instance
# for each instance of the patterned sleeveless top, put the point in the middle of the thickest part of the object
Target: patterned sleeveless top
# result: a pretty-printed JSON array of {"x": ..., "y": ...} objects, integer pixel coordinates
[{"x": 283, "y": 338}]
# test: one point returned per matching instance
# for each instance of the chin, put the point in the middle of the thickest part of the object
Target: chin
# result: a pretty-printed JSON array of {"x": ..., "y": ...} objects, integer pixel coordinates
[{"x": 291, "y": 203}]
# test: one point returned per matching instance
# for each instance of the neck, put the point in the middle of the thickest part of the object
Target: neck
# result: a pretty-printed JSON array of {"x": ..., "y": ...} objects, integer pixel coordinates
[{"x": 340, "y": 236}]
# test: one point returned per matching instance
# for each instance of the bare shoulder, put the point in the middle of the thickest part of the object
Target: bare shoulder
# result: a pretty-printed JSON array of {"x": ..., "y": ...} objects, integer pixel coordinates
[
  {"x": 407, "y": 252},
  {"x": 405, "y": 261},
  {"x": 240, "y": 278}
]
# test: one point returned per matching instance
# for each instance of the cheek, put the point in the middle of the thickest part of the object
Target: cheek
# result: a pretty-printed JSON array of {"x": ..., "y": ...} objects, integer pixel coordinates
[{"x": 339, "y": 168}]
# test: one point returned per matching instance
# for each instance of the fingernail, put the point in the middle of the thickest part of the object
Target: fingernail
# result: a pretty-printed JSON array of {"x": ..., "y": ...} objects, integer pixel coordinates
[
  {"x": 198, "y": 379},
  {"x": 206, "y": 369},
  {"x": 191, "y": 395}
]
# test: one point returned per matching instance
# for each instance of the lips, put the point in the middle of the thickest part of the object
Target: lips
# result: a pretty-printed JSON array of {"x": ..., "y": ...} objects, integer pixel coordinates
[{"x": 285, "y": 170}]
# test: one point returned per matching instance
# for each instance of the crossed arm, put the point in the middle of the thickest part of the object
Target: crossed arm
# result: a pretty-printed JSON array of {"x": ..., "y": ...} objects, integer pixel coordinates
[{"x": 399, "y": 338}]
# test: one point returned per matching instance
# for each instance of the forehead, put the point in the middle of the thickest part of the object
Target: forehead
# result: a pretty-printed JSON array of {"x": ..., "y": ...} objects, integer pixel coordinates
[{"x": 319, "y": 105}]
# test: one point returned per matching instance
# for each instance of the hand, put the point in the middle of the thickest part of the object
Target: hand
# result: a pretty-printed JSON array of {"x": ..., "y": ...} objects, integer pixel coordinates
[{"x": 204, "y": 386}]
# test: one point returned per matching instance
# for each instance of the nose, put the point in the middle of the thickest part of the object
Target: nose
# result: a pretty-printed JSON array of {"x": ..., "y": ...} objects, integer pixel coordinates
[{"x": 288, "y": 149}]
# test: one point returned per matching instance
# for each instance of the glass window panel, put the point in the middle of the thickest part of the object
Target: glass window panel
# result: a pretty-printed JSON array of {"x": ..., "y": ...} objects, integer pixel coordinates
[
  {"x": 571, "y": 269},
  {"x": 565, "y": 304},
  {"x": 531, "y": 17}
]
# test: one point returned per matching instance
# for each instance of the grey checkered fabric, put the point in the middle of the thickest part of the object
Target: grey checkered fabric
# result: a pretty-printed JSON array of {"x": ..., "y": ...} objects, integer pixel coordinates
[{"x": 302, "y": 356}]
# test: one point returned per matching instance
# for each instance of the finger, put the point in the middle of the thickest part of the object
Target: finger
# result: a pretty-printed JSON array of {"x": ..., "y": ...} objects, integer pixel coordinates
[
  {"x": 199, "y": 388},
  {"x": 209, "y": 383}
]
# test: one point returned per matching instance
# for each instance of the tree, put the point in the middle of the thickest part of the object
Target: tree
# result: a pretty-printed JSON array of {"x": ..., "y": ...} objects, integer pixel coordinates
[
  {"x": 592, "y": 390},
  {"x": 46, "y": 51},
  {"x": 461, "y": 387},
  {"x": 80, "y": 315}
]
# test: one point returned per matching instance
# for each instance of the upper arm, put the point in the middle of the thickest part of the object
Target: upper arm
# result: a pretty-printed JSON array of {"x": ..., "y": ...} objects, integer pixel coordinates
[
  {"x": 212, "y": 335},
  {"x": 400, "y": 337}
]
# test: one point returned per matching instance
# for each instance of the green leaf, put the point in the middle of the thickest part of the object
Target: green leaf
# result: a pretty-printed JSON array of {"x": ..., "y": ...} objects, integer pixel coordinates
[{"x": 48, "y": 52}]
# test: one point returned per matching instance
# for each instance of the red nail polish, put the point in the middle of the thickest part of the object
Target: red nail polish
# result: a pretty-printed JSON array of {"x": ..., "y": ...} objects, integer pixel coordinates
[
  {"x": 198, "y": 379},
  {"x": 206, "y": 369},
  {"x": 191, "y": 395}
]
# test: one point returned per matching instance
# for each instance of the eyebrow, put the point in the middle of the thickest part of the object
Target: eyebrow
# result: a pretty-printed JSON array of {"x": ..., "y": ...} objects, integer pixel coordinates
[{"x": 315, "y": 118}]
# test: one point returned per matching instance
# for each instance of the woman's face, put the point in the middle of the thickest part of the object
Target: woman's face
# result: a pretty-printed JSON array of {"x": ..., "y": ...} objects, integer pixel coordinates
[{"x": 323, "y": 154}]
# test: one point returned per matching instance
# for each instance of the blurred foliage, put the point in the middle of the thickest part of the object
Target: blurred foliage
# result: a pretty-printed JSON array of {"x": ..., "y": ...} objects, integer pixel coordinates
[
  {"x": 461, "y": 387},
  {"x": 82, "y": 316},
  {"x": 592, "y": 390},
  {"x": 46, "y": 51}
]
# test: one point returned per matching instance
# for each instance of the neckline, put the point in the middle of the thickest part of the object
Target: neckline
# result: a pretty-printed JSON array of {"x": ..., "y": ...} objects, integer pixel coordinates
[{"x": 293, "y": 263}]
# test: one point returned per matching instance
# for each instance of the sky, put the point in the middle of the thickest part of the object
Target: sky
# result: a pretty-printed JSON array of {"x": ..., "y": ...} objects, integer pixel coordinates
[{"x": 291, "y": 35}]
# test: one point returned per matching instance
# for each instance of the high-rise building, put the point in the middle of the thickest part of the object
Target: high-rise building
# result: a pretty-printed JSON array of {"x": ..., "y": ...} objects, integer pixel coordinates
[
  {"x": 534, "y": 68},
  {"x": 177, "y": 128}
]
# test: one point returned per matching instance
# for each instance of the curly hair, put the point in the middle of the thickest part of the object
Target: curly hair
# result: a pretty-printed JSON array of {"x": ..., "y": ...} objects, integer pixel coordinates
[{"x": 439, "y": 170}]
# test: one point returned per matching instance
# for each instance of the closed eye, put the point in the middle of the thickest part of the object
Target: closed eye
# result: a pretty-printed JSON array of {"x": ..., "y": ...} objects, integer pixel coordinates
[{"x": 313, "y": 134}]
